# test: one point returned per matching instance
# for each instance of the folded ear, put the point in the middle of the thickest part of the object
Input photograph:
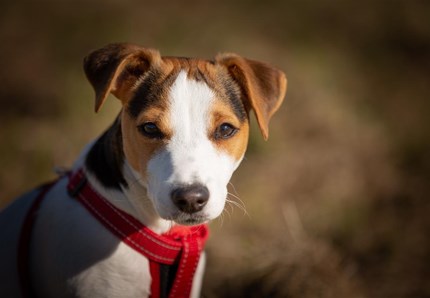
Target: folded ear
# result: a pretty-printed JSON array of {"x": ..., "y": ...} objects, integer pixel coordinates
[
  {"x": 115, "y": 69},
  {"x": 264, "y": 87}
]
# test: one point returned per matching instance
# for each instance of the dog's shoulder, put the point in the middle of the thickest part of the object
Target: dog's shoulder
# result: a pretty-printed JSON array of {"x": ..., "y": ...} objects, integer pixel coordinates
[{"x": 11, "y": 219}]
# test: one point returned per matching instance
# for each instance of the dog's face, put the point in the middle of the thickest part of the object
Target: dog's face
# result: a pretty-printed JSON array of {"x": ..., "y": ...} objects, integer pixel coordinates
[
  {"x": 185, "y": 121},
  {"x": 185, "y": 145}
]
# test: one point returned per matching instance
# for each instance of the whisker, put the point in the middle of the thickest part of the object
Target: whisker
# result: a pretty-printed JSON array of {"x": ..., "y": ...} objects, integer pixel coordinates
[
  {"x": 136, "y": 181},
  {"x": 221, "y": 219},
  {"x": 230, "y": 206},
  {"x": 226, "y": 211},
  {"x": 234, "y": 188},
  {"x": 237, "y": 198},
  {"x": 236, "y": 195},
  {"x": 236, "y": 201}
]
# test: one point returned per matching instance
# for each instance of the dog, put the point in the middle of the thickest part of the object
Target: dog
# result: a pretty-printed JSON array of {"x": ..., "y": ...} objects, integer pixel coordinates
[{"x": 163, "y": 164}]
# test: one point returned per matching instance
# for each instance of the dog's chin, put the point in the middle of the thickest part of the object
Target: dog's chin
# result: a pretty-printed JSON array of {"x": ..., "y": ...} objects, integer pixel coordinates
[{"x": 187, "y": 219}]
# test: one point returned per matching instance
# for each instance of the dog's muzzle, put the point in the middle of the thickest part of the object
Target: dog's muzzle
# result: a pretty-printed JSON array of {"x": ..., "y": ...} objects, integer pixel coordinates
[{"x": 191, "y": 198}]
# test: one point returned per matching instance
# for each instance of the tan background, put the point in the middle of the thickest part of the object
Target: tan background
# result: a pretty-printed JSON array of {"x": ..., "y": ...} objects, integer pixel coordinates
[{"x": 337, "y": 200}]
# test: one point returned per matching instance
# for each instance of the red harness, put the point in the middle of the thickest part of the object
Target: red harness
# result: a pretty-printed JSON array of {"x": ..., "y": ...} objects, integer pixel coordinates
[{"x": 179, "y": 249}]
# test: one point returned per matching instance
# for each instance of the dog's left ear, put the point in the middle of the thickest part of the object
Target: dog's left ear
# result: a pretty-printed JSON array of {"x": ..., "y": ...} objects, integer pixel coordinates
[
  {"x": 264, "y": 87},
  {"x": 115, "y": 69}
]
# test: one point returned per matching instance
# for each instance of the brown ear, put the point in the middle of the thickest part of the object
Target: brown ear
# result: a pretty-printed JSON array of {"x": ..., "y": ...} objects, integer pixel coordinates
[
  {"x": 115, "y": 69},
  {"x": 264, "y": 86}
]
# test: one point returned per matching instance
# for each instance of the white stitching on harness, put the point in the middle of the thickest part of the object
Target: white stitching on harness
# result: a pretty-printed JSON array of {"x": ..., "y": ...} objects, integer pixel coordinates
[
  {"x": 178, "y": 248},
  {"x": 122, "y": 234}
]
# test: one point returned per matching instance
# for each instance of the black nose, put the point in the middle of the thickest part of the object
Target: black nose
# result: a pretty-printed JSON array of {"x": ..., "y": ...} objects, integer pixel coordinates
[{"x": 190, "y": 198}]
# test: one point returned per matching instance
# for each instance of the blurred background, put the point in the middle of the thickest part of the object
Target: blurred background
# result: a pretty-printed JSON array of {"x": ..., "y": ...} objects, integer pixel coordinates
[{"x": 336, "y": 202}]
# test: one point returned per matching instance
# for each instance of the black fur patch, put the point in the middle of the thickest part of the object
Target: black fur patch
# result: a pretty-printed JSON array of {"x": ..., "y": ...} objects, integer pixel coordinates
[
  {"x": 235, "y": 97},
  {"x": 167, "y": 277},
  {"x": 231, "y": 90},
  {"x": 149, "y": 91},
  {"x": 106, "y": 158}
]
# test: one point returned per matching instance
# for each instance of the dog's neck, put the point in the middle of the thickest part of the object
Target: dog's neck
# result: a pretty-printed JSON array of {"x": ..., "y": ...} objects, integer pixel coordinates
[
  {"x": 132, "y": 199},
  {"x": 111, "y": 176}
]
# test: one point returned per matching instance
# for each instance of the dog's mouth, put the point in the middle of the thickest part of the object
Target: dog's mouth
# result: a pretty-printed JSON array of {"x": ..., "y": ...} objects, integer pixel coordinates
[{"x": 188, "y": 219}]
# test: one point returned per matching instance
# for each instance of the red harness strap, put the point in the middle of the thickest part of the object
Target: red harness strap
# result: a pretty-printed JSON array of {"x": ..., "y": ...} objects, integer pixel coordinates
[
  {"x": 24, "y": 241},
  {"x": 181, "y": 245}
]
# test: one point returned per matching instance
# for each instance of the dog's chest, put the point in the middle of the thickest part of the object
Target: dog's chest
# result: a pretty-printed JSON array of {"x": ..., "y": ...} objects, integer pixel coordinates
[
  {"x": 93, "y": 262},
  {"x": 123, "y": 274}
]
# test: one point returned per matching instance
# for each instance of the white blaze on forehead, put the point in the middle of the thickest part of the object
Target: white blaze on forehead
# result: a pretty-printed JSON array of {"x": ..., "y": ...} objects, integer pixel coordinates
[
  {"x": 194, "y": 157},
  {"x": 189, "y": 147},
  {"x": 190, "y": 103}
]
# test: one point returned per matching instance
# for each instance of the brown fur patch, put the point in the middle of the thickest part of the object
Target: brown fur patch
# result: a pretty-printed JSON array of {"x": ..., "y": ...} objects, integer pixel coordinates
[
  {"x": 139, "y": 149},
  {"x": 236, "y": 145}
]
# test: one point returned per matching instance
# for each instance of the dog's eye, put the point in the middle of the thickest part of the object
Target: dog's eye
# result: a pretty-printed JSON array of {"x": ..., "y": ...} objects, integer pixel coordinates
[
  {"x": 225, "y": 131},
  {"x": 150, "y": 130}
]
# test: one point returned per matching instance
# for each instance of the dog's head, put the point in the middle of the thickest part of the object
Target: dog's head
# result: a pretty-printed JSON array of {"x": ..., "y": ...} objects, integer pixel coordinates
[{"x": 185, "y": 122}]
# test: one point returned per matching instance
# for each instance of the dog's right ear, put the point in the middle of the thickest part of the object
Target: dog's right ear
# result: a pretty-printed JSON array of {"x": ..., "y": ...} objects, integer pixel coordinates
[{"x": 115, "y": 69}]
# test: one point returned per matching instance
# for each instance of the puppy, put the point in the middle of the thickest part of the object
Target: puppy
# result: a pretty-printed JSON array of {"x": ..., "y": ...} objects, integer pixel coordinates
[{"x": 130, "y": 219}]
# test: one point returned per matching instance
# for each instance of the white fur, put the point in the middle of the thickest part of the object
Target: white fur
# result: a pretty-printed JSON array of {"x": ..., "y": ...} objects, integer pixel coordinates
[{"x": 189, "y": 157}]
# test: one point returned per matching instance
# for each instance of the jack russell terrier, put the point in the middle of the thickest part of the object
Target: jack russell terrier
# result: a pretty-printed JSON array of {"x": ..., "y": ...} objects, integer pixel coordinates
[{"x": 129, "y": 219}]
